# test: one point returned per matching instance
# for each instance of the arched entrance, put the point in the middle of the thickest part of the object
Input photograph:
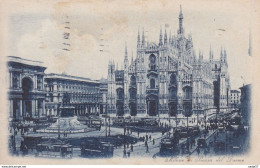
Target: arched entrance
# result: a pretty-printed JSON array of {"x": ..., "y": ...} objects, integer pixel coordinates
[
  {"x": 133, "y": 110},
  {"x": 120, "y": 108},
  {"x": 173, "y": 108},
  {"x": 27, "y": 86},
  {"x": 152, "y": 105}
]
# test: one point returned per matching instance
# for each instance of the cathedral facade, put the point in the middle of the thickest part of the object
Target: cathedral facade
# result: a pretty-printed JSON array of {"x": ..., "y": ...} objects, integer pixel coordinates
[{"x": 167, "y": 79}]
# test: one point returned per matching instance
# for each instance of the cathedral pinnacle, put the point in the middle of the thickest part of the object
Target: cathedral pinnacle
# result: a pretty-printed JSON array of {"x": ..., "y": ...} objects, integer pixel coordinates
[
  {"x": 132, "y": 57},
  {"x": 170, "y": 37},
  {"x": 210, "y": 55},
  {"x": 180, "y": 31},
  {"x": 160, "y": 39},
  {"x": 165, "y": 37},
  {"x": 180, "y": 15},
  {"x": 143, "y": 39},
  {"x": 138, "y": 39},
  {"x": 125, "y": 50}
]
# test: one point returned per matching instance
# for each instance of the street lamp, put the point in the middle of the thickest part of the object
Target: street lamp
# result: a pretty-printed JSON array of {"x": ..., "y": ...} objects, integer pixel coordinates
[
  {"x": 187, "y": 113},
  {"x": 197, "y": 115}
]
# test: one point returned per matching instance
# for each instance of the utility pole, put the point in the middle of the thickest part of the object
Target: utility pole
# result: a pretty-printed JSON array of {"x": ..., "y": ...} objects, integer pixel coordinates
[
  {"x": 109, "y": 125},
  {"x": 106, "y": 124},
  {"x": 59, "y": 126}
]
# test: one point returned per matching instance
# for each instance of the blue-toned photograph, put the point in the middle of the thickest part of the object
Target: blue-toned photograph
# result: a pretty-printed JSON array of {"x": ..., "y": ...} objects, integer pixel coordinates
[{"x": 130, "y": 81}]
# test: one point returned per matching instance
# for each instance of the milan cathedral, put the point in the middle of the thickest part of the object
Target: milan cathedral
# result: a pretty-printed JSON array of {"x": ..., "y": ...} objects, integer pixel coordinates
[{"x": 167, "y": 79}]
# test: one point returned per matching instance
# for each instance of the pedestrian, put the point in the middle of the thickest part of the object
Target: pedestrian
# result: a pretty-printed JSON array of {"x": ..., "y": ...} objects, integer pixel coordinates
[
  {"x": 124, "y": 153},
  {"x": 145, "y": 143},
  {"x": 198, "y": 151},
  {"x": 205, "y": 151},
  {"x": 153, "y": 141},
  {"x": 128, "y": 154},
  {"x": 147, "y": 149},
  {"x": 182, "y": 149},
  {"x": 25, "y": 150},
  {"x": 150, "y": 137}
]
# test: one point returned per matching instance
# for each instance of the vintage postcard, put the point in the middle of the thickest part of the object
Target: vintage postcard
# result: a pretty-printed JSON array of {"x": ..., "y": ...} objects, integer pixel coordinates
[{"x": 129, "y": 82}]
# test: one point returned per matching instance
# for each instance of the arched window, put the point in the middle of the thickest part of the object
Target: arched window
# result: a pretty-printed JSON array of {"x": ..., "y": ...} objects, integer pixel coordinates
[
  {"x": 120, "y": 93},
  {"x": 152, "y": 83},
  {"x": 152, "y": 59},
  {"x": 173, "y": 80},
  {"x": 187, "y": 93},
  {"x": 173, "y": 93},
  {"x": 132, "y": 93},
  {"x": 133, "y": 80}
]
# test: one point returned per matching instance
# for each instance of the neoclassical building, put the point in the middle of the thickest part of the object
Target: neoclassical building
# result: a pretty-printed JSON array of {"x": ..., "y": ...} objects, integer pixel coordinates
[
  {"x": 33, "y": 94},
  {"x": 26, "y": 90},
  {"x": 85, "y": 94},
  {"x": 167, "y": 78}
]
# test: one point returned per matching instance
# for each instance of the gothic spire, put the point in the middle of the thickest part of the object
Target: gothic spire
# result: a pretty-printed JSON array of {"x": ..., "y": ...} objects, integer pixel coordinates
[
  {"x": 210, "y": 55},
  {"x": 221, "y": 55},
  {"x": 225, "y": 55},
  {"x": 126, "y": 51},
  {"x": 170, "y": 37},
  {"x": 160, "y": 39},
  {"x": 138, "y": 39},
  {"x": 180, "y": 31},
  {"x": 143, "y": 39},
  {"x": 200, "y": 56},
  {"x": 132, "y": 57},
  {"x": 165, "y": 37}
]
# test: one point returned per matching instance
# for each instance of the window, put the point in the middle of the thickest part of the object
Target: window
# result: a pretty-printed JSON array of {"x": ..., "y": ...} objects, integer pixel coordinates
[
  {"x": 39, "y": 82},
  {"x": 173, "y": 80},
  {"x": 120, "y": 93},
  {"x": 16, "y": 80},
  {"x": 133, "y": 80},
  {"x": 132, "y": 93},
  {"x": 152, "y": 62},
  {"x": 152, "y": 83}
]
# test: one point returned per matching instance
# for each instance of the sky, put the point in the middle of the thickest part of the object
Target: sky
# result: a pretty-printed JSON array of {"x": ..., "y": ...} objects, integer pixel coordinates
[{"x": 35, "y": 31}]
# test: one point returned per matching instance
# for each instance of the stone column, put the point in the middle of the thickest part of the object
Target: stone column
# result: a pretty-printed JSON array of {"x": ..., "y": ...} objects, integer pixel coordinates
[
  {"x": 24, "y": 110},
  {"x": 36, "y": 109},
  {"x": 11, "y": 79},
  {"x": 11, "y": 108},
  {"x": 43, "y": 108},
  {"x": 35, "y": 82},
  {"x": 21, "y": 109},
  {"x": 33, "y": 108},
  {"x": 20, "y": 82}
]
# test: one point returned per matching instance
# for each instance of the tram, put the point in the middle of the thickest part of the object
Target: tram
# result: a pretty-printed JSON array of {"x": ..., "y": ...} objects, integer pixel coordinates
[
  {"x": 54, "y": 148},
  {"x": 95, "y": 148}
]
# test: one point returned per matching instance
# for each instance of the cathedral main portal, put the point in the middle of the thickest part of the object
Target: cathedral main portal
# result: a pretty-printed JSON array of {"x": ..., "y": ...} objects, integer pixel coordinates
[{"x": 152, "y": 105}]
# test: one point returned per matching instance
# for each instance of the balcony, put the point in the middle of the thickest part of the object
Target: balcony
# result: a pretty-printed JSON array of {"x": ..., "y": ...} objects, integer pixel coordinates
[{"x": 152, "y": 90}]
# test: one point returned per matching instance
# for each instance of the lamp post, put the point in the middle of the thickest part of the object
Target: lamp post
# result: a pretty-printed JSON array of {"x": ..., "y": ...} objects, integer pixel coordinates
[
  {"x": 187, "y": 112},
  {"x": 205, "y": 116},
  {"x": 197, "y": 115}
]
